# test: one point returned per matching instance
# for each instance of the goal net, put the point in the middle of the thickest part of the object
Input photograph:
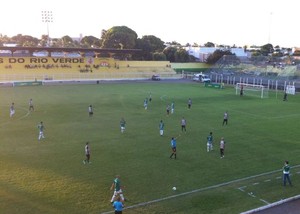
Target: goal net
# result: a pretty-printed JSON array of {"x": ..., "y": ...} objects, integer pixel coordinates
[{"x": 252, "y": 90}]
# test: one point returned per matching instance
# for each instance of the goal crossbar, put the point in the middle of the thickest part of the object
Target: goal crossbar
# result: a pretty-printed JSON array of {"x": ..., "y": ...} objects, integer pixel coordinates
[{"x": 261, "y": 89}]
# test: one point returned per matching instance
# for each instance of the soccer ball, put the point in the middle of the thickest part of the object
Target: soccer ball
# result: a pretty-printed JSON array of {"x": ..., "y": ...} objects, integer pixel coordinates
[{"x": 174, "y": 188}]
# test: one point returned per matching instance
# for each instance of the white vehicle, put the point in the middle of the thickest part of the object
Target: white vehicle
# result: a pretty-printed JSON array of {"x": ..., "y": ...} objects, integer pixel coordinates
[{"x": 201, "y": 77}]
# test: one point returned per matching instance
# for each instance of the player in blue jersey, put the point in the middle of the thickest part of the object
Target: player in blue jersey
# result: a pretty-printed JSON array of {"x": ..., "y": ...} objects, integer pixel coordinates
[{"x": 173, "y": 147}]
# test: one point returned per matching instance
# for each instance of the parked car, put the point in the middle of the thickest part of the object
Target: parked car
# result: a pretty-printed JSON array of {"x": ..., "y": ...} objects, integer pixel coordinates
[
  {"x": 155, "y": 77},
  {"x": 201, "y": 77}
]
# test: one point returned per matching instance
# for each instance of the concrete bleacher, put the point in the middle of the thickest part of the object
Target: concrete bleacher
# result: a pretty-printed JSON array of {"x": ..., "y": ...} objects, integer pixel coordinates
[{"x": 47, "y": 68}]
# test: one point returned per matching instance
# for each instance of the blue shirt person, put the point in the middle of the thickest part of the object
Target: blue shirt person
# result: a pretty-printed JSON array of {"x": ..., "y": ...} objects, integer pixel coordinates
[
  {"x": 118, "y": 205},
  {"x": 173, "y": 147}
]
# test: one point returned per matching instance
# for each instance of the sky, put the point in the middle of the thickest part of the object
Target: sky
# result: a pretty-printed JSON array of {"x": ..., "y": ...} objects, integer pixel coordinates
[{"x": 223, "y": 22}]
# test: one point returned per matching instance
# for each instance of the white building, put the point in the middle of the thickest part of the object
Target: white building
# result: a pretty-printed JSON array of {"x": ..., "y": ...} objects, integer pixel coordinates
[{"x": 201, "y": 53}]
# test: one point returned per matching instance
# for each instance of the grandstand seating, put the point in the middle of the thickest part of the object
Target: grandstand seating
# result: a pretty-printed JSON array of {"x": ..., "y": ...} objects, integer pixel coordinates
[{"x": 45, "y": 68}]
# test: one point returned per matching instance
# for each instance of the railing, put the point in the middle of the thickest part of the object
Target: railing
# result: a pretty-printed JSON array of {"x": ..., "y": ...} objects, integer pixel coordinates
[{"x": 83, "y": 76}]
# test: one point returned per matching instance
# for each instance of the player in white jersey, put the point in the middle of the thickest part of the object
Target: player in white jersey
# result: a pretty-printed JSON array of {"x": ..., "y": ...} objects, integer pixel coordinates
[
  {"x": 12, "y": 110},
  {"x": 87, "y": 153},
  {"x": 31, "y": 108},
  {"x": 90, "y": 109}
]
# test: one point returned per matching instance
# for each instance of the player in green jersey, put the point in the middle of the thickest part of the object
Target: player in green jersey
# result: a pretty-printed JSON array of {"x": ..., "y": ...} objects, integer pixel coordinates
[
  {"x": 286, "y": 173},
  {"x": 41, "y": 128},
  {"x": 161, "y": 128},
  {"x": 116, "y": 186},
  {"x": 209, "y": 142}
]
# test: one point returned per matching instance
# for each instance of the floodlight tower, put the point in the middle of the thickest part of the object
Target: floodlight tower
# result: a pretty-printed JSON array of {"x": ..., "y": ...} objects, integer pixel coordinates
[{"x": 47, "y": 17}]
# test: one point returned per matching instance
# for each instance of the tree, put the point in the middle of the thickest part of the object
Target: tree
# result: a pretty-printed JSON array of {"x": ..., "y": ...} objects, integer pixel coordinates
[
  {"x": 4, "y": 39},
  {"x": 159, "y": 56},
  {"x": 90, "y": 42},
  {"x": 26, "y": 41},
  {"x": 119, "y": 37},
  {"x": 44, "y": 40},
  {"x": 146, "y": 53},
  {"x": 67, "y": 42},
  {"x": 57, "y": 43},
  {"x": 218, "y": 54},
  {"x": 170, "y": 53},
  {"x": 149, "y": 45},
  {"x": 173, "y": 43},
  {"x": 209, "y": 44},
  {"x": 266, "y": 49},
  {"x": 181, "y": 55},
  {"x": 155, "y": 43}
]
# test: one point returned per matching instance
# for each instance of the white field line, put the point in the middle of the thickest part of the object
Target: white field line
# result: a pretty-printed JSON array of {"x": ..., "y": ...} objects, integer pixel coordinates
[
  {"x": 242, "y": 188},
  {"x": 252, "y": 195},
  {"x": 198, "y": 190},
  {"x": 272, "y": 205},
  {"x": 163, "y": 97},
  {"x": 264, "y": 201}
]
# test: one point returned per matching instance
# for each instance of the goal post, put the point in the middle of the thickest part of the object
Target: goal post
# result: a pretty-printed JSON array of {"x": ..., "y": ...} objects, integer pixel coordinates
[{"x": 252, "y": 90}]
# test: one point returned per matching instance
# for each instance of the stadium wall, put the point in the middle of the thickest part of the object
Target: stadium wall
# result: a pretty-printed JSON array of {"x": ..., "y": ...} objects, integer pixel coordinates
[{"x": 49, "y": 68}]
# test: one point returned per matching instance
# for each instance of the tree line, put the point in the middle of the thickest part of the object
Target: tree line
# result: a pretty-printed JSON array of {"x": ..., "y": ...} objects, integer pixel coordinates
[{"x": 122, "y": 37}]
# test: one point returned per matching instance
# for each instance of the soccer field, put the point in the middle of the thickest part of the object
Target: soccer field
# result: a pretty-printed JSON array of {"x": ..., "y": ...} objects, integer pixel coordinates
[{"x": 48, "y": 176}]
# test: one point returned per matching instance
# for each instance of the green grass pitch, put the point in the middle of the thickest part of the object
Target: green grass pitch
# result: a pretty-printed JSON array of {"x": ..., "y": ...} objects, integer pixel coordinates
[{"x": 49, "y": 176}]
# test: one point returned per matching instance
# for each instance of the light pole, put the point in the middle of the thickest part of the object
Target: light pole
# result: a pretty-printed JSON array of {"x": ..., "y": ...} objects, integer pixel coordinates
[
  {"x": 270, "y": 28},
  {"x": 47, "y": 18}
]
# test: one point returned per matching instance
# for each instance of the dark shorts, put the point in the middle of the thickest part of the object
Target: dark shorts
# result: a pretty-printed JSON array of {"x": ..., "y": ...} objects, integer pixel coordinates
[{"x": 174, "y": 149}]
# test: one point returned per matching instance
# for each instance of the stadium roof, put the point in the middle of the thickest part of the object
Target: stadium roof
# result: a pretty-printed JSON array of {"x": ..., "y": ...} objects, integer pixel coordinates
[{"x": 79, "y": 50}]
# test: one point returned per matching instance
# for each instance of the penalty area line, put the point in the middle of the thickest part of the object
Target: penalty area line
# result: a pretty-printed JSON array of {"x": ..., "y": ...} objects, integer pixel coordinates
[
  {"x": 199, "y": 190},
  {"x": 162, "y": 98}
]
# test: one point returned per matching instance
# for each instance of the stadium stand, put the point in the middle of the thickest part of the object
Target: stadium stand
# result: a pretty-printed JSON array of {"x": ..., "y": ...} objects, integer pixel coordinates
[{"x": 50, "y": 68}]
